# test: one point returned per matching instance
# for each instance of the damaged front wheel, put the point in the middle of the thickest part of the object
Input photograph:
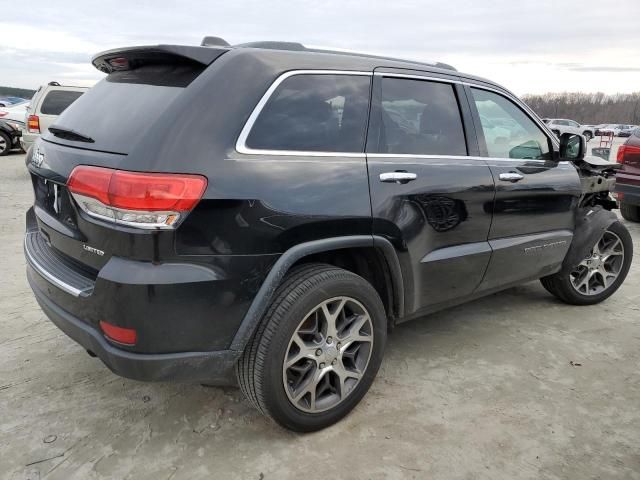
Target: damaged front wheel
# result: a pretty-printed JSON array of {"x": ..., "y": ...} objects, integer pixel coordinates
[{"x": 598, "y": 275}]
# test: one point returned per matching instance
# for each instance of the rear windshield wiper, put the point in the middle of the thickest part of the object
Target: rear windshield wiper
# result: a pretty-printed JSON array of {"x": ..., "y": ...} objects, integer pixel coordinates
[{"x": 70, "y": 135}]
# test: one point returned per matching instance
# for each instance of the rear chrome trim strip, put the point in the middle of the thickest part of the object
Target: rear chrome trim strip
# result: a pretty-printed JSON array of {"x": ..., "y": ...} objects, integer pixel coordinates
[{"x": 76, "y": 292}]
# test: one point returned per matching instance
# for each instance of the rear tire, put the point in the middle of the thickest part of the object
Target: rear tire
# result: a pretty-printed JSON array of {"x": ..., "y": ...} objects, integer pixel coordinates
[
  {"x": 586, "y": 285},
  {"x": 588, "y": 136},
  {"x": 630, "y": 212},
  {"x": 5, "y": 144},
  {"x": 294, "y": 369}
]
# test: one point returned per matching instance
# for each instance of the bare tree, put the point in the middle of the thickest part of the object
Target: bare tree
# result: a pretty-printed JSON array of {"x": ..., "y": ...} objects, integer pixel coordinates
[{"x": 589, "y": 108}]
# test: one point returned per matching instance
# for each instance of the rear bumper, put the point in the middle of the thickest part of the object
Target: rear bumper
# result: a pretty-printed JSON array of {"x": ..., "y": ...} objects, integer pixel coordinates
[
  {"x": 27, "y": 139},
  {"x": 627, "y": 193},
  {"x": 214, "y": 368}
]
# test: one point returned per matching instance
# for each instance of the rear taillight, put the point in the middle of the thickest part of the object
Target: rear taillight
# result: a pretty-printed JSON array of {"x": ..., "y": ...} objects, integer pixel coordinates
[
  {"x": 33, "y": 124},
  {"x": 620, "y": 156},
  {"x": 626, "y": 151},
  {"x": 3, "y": 113},
  {"x": 144, "y": 200}
]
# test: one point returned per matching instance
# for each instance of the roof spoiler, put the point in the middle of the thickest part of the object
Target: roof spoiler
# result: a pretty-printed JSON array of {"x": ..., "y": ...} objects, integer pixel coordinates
[{"x": 132, "y": 57}]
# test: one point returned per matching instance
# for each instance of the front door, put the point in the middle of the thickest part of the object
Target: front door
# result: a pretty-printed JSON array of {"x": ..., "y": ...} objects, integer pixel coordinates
[
  {"x": 431, "y": 194},
  {"x": 536, "y": 195}
]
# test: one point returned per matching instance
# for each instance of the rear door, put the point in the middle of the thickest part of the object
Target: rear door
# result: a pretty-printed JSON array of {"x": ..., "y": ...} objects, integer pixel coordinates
[
  {"x": 536, "y": 196},
  {"x": 430, "y": 193}
]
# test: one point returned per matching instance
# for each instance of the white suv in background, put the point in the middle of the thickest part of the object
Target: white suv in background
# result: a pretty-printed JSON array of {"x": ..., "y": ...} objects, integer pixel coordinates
[
  {"x": 564, "y": 125},
  {"x": 49, "y": 101}
]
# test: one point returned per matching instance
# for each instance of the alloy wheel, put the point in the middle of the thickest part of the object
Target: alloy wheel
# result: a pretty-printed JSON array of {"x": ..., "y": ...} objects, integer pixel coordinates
[
  {"x": 3, "y": 144},
  {"x": 601, "y": 268},
  {"x": 328, "y": 354}
]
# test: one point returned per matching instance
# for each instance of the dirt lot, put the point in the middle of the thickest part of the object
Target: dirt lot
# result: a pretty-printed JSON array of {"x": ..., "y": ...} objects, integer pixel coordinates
[{"x": 516, "y": 385}]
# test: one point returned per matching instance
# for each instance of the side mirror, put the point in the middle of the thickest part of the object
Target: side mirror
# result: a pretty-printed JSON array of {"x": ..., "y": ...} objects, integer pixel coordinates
[{"x": 572, "y": 147}]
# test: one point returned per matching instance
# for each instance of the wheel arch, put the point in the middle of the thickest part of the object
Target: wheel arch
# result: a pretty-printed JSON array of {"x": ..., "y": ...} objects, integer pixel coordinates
[
  {"x": 372, "y": 257},
  {"x": 591, "y": 222}
]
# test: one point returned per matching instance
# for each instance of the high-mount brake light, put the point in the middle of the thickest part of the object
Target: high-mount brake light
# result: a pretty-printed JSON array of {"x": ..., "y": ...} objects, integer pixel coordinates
[
  {"x": 144, "y": 200},
  {"x": 119, "y": 63}
]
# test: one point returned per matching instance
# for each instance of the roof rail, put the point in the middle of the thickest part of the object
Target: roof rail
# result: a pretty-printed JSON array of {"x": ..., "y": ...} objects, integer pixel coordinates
[
  {"x": 274, "y": 45},
  {"x": 298, "y": 47}
]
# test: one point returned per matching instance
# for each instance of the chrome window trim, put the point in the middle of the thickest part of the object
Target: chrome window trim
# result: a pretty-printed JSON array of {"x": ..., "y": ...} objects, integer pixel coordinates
[
  {"x": 242, "y": 148},
  {"x": 417, "y": 77},
  {"x": 508, "y": 95},
  {"x": 520, "y": 104},
  {"x": 460, "y": 157},
  {"x": 435, "y": 157},
  {"x": 241, "y": 143}
]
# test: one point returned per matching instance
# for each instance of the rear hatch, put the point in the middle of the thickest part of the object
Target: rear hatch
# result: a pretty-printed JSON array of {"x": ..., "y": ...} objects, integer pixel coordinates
[{"x": 100, "y": 129}]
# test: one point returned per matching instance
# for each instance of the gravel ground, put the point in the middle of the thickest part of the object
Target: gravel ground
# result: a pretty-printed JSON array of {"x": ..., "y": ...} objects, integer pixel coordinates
[{"x": 515, "y": 385}]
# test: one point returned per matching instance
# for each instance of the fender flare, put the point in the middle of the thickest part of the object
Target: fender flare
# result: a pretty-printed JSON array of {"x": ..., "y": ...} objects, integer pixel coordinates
[
  {"x": 591, "y": 223},
  {"x": 264, "y": 296}
]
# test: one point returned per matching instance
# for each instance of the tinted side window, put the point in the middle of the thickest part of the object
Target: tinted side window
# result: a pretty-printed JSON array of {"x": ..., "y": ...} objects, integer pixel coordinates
[
  {"x": 420, "y": 118},
  {"x": 57, "y": 101},
  {"x": 509, "y": 132},
  {"x": 314, "y": 112}
]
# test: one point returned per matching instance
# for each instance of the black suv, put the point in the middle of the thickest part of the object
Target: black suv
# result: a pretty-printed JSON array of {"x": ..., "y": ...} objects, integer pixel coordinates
[{"x": 265, "y": 213}]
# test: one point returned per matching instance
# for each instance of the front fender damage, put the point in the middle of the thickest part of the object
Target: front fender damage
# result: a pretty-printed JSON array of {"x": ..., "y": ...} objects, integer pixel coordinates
[{"x": 590, "y": 224}]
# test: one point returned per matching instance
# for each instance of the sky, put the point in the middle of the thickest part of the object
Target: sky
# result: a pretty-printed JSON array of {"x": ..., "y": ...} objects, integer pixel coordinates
[{"x": 529, "y": 46}]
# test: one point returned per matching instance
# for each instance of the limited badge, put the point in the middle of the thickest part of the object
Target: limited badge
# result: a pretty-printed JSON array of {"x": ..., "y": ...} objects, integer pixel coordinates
[{"x": 92, "y": 249}]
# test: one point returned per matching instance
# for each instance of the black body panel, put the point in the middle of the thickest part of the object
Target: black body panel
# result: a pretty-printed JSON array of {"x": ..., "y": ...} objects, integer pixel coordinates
[{"x": 196, "y": 294}]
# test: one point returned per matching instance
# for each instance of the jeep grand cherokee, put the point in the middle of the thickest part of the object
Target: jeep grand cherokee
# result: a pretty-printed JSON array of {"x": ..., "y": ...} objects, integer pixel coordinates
[{"x": 265, "y": 213}]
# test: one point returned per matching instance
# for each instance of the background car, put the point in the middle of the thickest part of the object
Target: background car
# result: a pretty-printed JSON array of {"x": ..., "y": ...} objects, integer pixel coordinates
[
  {"x": 614, "y": 128},
  {"x": 10, "y": 131},
  {"x": 15, "y": 112},
  {"x": 8, "y": 101},
  {"x": 627, "y": 131},
  {"x": 47, "y": 104},
  {"x": 627, "y": 187},
  {"x": 564, "y": 125}
]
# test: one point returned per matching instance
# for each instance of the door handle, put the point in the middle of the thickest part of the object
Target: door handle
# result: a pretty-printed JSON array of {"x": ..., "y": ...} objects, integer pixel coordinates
[
  {"x": 397, "y": 177},
  {"x": 510, "y": 177}
]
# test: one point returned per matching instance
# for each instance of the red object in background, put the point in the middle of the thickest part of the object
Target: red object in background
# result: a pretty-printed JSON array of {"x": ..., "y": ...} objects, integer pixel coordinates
[{"x": 33, "y": 124}]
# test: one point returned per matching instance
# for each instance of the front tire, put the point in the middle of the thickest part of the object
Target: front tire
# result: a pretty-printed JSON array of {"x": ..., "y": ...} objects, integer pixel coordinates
[
  {"x": 317, "y": 350},
  {"x": 600, "y": 274}
]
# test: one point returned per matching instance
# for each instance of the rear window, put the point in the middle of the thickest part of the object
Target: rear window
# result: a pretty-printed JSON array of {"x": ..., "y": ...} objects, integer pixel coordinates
[
  {"x": 118, "y": 110},
  {"x": 57, "y": 101},
  {"x": 314, "y": 113},
  {"x": 420, "y": 118}
]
